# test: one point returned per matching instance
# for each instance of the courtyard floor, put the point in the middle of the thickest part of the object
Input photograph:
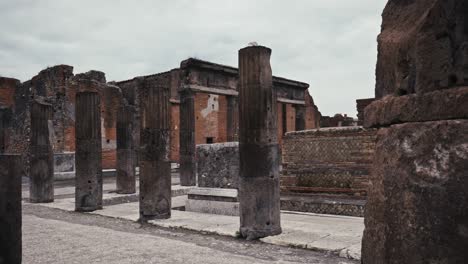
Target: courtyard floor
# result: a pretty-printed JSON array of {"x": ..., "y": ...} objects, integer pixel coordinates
[{"x": 54, "y": 233}]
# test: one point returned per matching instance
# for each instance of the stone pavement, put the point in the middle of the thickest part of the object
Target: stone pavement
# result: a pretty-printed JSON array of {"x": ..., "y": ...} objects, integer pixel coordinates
[
  {"x": 340, "y": 235},
  {"x": 58, "y": 236}
]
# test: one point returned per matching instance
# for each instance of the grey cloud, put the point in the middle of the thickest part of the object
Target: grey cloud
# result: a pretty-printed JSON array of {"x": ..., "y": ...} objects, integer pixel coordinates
[{"x": 330, "y": 44}]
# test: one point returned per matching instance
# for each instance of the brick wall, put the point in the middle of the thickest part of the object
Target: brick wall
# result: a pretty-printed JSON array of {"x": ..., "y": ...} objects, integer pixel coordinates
[
  {"x": 210, "y": 118},
  {"x": 333, "y": 160}
]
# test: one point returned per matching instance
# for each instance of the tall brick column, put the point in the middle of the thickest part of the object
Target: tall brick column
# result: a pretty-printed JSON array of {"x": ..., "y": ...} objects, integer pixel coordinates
[
  {"x": 187, "y": 138},
  {"x": 10, "y": 209},
  {"x": 232, "y": 119},
  {"x": 88, "y": 179},
  {"x": 41, "y": 186},
  {"x": 155, "y": 164},
  {"x": 258, "y": 145},
  {"x": 417, "y": 209},
  {"x": 126, "y": 152}
]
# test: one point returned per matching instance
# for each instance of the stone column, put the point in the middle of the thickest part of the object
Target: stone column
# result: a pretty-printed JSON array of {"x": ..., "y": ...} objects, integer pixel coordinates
[
  {"x": 6, "y": 116},
  {"x": 41, "y": 186},
  {"x": 300, "y": 117},
  {"x": 187, "y": 138},
  {"x": 10, "y": 209},
  {"x": 126, "y": 152},
  {"x": 232, "y": 119},
  {"x": 88, "y": 179},
  {"x": 417, "y": 208},
  {"x": 258, "y": 146},
  {"x": 155, "y": 164}
]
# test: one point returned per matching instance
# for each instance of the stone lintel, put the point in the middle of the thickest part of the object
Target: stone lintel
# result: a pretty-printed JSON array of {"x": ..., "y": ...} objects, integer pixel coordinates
[{"x": 438, "y": 105}]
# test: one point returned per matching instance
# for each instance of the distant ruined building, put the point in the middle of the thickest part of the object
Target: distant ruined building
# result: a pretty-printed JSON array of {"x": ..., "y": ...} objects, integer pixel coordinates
[{"x": 212, "y": 86}]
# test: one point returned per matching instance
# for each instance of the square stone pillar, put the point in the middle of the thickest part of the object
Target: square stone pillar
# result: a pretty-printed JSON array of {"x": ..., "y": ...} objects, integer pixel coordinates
[
  {"x": 41, "y": 185},
  {"x": 417, "y": 208},
  {"x": 10, "y": 209},
  {"x": 88, "y": 156},
  {"x": 187, "y": 138},
  {"x": 126, "y": 152},
  {"x": 232, "y": 119},
  {"x": 259, "y": 192},
  {"x": 155, "y": 163}
]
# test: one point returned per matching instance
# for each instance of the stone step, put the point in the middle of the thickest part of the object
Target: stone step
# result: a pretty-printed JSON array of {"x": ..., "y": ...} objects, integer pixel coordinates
[{"x": 328, "y": 204}]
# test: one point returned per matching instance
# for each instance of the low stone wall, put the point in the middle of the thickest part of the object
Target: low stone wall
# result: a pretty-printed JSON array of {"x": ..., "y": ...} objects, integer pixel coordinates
[
  {"x": 328, "y": 161},
  {"x": 218, "y": 165}
]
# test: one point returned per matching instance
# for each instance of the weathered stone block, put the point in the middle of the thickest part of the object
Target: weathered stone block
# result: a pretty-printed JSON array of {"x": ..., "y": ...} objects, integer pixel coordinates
[
  {"x": 218, "y": 165},
  {"x": 431, "y": 106},
  {"x": 417, "y": 210},
  {"x": 423, "y": 47},
  {"x": 220, "y": 201},
  {"x": 64, "y": 162}
]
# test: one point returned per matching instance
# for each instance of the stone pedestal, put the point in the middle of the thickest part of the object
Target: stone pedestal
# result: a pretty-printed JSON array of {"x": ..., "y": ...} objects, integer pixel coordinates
[
  {"x": 126, "y": 153},
  {"x": 88, "y": 180},
  {"x": 258, "y": 146},
  {"x": 155, "y": 164},
  {"x": 10, "y": 209},
  {"x": 417, "y": 210},
  {"x": 187, "y": 138},
  {"x": 41, "y": 186}
]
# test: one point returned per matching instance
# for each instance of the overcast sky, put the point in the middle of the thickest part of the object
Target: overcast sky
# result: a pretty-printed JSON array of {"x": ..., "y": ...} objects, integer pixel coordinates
[{"x": 330, "y": 44}]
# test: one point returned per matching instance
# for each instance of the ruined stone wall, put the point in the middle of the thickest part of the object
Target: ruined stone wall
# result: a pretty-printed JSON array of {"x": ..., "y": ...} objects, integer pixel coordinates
[
  {"x": 335, "y": 160},
  {"x": 58, "y": 86}
]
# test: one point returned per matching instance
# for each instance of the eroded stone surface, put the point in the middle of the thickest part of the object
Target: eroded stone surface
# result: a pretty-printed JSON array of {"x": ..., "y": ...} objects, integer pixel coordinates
[
  {"x": 42, "y": 160},
  {"x": 218, "y": 165},
  {"x": 258, "y": 146},
  {"x": 154, "y": 155},
  {"x": 417, "y": 211},
  {"x": 423, "y": 47},
  {"x": 431, "y": 106},
  {"x": 88, "y": 181}
]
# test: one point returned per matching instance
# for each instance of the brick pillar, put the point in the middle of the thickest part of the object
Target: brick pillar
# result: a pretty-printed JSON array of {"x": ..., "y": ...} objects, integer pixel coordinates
[
  {"x": 41, "y": 186},
  {"x": 187, "y": 138},
  {"x": 10, "y": 209},
  {"x": 88, "y": 180},
  {"x": 232, "y": 119},
  {"x": 300, "y": 117},
  {"x": 126, "y": 152},
  {"x": 155, "y": 164},
  {"x": 258, "y": 146}
]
